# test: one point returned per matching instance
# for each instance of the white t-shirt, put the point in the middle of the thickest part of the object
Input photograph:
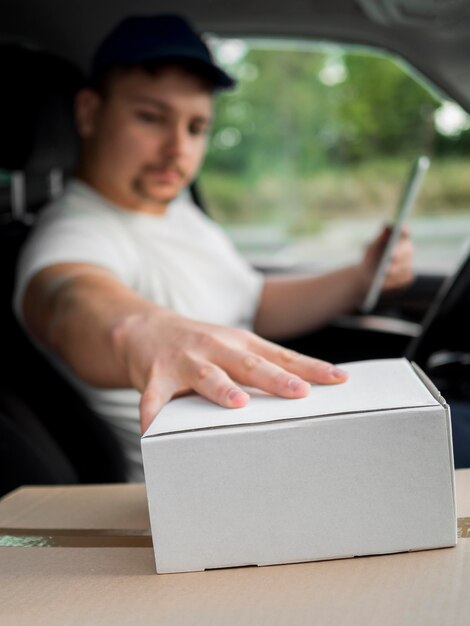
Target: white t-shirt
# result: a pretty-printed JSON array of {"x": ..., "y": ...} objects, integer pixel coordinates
[{"x": 180, "y": 260}]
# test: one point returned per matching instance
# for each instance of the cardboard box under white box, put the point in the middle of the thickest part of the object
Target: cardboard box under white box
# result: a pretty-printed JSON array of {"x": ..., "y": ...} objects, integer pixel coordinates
[{"x": 361, "y": 468}]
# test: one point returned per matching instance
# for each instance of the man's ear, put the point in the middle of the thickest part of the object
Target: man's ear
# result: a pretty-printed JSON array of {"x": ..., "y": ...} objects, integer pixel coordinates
[{"x": 87, "y": 107}]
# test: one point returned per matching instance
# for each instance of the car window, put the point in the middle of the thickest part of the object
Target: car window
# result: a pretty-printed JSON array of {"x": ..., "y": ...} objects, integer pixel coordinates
[{"x": 309, "y": 155}]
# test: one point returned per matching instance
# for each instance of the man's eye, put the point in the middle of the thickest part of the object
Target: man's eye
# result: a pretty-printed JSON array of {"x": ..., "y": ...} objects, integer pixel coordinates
[
  {"x": 150, "y": 118},
  {"x": 198, "y": 130}
]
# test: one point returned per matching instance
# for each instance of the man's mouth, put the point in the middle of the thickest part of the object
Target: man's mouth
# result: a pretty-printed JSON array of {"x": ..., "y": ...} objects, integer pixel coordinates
[{"x": 169, "y": 174}]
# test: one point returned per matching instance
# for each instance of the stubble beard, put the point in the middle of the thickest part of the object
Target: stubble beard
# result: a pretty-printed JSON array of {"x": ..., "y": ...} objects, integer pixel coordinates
[{"x": 141, "y": 189}]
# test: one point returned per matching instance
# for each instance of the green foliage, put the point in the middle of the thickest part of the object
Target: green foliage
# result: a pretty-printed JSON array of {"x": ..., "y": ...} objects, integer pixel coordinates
[
  {"x": 275, "y": 113},
  {"x": 286, "y": 116},
  {"x": 383, "y": 111},
  {"x": 310, "y": 133}
]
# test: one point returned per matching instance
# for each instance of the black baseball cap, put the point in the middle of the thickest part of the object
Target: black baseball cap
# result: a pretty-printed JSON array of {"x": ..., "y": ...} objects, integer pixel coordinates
[{"x": 142, "y": 38}]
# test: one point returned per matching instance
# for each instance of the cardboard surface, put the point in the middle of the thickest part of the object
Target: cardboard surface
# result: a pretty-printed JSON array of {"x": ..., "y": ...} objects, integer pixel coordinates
[
  {"x": 102, "y": 586},
  {"x": 356, "y": 469},
  {"x": 85, "y": 507}
]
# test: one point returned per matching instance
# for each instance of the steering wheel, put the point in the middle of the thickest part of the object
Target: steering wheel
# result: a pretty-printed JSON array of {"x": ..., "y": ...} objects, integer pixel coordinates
[{"x": 443, "y": 346}]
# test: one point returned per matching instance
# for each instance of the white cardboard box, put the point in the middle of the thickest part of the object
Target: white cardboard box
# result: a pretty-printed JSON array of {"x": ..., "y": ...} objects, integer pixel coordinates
[{"x": 355, "y": 469}]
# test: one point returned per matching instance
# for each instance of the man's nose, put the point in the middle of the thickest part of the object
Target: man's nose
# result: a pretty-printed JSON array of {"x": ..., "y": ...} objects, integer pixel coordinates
[{"x": 177, "y": 141}]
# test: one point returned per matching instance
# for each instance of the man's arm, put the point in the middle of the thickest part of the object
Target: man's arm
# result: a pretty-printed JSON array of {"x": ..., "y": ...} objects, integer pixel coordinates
[
  {"x": 112, "y": 337},
  {"x": 291, "y": 306}
]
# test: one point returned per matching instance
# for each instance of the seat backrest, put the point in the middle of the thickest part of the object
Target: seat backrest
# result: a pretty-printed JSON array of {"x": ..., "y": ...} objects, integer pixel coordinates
[
  {"x": 39, "y": 143},
  {"x": 38, "y": 148}
]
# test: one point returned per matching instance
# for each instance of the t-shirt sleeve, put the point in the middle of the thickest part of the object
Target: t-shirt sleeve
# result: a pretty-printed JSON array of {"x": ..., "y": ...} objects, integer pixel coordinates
[{"x": 70, "y": 239}]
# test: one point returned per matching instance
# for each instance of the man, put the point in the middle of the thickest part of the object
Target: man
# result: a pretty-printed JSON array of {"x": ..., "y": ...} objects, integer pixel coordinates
[{"x": 132, "y": 288}]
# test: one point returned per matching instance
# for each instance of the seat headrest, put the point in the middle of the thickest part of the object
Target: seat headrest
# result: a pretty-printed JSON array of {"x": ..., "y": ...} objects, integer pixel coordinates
[{"x": 37, "y": 129}]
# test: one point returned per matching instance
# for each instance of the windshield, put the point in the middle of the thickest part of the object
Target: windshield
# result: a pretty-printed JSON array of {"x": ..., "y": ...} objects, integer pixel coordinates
[{"x": 310, "y": 154}]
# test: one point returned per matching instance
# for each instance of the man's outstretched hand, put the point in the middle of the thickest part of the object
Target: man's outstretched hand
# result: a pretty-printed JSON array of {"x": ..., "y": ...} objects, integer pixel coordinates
[{"x": 167, "y": 355}]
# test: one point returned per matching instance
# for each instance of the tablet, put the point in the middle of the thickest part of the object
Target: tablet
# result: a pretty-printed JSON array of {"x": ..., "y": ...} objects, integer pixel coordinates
[{"x": 407, "y": 201}]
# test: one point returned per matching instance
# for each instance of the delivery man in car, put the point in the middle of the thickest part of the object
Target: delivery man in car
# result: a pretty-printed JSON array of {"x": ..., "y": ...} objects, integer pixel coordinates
[{"x": 130, "y": 288}]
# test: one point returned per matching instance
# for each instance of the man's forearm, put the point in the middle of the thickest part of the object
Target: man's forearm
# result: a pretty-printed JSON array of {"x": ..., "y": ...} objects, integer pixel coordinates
[
  {"x": 78, "y": 314},
  {"x": 292, "y": 306},
  {"x": 295, "y": 305}
]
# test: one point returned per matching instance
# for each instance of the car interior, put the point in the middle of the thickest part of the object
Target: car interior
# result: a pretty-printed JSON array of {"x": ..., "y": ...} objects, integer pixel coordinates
[{"x": 44, "y": 52}]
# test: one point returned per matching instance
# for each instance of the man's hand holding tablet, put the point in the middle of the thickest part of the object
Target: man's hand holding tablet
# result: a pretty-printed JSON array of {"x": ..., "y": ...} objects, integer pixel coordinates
[{"x": 405, "y": 206}]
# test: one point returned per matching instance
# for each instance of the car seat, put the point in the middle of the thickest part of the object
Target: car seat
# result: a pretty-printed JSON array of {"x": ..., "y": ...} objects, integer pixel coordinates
[{"x": 38, "y": 147}]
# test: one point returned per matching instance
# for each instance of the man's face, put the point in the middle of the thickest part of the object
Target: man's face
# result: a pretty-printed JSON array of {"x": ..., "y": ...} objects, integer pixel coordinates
[{"x": 146, "y": 139}]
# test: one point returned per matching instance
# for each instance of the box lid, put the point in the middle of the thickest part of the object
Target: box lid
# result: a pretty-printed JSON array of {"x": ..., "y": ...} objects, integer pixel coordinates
[{"x": 375, "y": 385}]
